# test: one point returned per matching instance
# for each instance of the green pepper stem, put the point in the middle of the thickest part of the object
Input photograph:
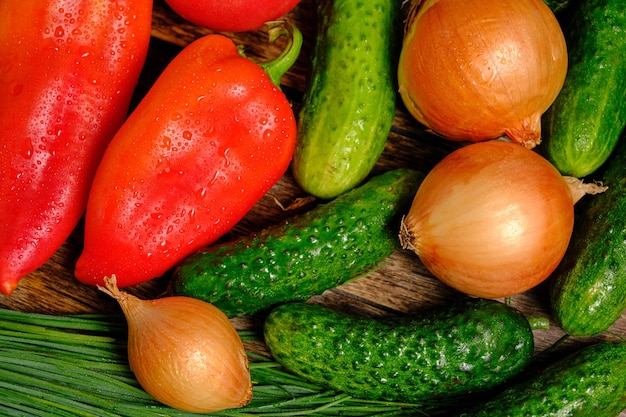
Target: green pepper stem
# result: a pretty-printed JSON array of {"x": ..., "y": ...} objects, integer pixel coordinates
[{"x": 281, "y": 64}]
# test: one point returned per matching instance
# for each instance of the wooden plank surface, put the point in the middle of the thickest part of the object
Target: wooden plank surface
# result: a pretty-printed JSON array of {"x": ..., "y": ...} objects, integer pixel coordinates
[{"x": 401, "y": 284}]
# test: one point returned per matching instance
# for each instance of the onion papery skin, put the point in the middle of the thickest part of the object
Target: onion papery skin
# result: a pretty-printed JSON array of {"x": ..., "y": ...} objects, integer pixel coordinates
[
  {"x": 474, "y": 70},
  {"x": 187, "y": 354},
  {"x": 492, "y": 219}
]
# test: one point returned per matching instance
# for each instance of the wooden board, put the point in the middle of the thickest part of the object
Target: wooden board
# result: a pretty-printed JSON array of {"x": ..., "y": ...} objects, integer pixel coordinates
[{"x": 401, "y": 284}]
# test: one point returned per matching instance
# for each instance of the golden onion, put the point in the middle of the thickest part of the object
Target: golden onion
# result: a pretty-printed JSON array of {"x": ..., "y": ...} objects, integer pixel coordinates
[
  {"x": 184, "y": 352},
  {"x": 492, "y": 219},
  {"x": 473, "y": 70}
]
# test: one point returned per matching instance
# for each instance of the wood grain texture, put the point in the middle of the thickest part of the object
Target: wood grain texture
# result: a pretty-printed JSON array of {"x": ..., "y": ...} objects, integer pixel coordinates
[{"x": 400, "y": 285}]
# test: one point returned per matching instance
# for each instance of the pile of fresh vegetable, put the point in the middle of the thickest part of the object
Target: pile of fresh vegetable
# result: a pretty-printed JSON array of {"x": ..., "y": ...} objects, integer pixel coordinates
[{"x": 532, "y": 194}]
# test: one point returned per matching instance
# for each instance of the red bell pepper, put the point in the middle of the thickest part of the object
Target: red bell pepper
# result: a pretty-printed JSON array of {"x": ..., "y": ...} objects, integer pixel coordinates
[
  {"x": 68, "y": 69},
  {"x": 209, "y": 139}
]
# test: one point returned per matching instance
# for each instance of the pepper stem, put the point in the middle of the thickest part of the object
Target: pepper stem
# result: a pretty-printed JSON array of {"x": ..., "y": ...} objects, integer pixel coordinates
[{"x": 281, "y": 64}]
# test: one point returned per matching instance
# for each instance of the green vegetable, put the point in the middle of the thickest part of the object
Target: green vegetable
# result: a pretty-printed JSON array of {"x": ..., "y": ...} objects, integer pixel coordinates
[
  {"x": 588, "y": 289},
  {"x": 77, "y": 366},
  {"x": 590, "y": 382},
  {"x": 585, "y": 122},
  {"x": 557, "y": 5},
  {"x": 306, "y": 255},
  {"x": 349, "y": 105},
  {"x": 467, "y": 347}
]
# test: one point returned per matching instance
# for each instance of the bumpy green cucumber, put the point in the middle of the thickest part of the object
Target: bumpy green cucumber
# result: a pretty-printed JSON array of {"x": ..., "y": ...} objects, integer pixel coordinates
[
  {"x": 349, "y": 105},
  {"x": 588, "y": 289},
  {"x": 306, "y": 255},
  {"x": 588, "y": 383},
  {"x": 470, "y": 346},
  {"x": 583, "y": 125}
]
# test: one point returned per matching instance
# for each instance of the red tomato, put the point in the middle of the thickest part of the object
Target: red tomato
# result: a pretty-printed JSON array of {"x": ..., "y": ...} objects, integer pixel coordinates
[
  {"x": 68, "y": 69},
  {"x": 208, "y": 140},
  {"x": 233, "y": 15}
]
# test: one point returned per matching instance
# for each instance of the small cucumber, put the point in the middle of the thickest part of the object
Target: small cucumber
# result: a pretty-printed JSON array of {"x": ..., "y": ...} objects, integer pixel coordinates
[
  {"x": 588, "y": 289},
  {"x": 472, "y": 345},
  {"x": 588, "y": 383},
  {"x": 349, "y": 105},
  {"x": 306, "y": 255},
  {"x": 583, "y": 125}
]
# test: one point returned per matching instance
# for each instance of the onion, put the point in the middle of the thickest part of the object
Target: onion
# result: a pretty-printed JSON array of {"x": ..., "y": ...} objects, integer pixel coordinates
[
  {"x": 475, "y": 70},
  {"x": 184, "y": 352},
  {"x": 492, "y": 219}
]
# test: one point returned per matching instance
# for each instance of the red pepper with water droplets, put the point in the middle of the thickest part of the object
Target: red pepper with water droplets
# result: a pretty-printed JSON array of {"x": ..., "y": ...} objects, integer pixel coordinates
[
  {"x": 68, "y": 69},
  {"x": 210, "y": 138}
]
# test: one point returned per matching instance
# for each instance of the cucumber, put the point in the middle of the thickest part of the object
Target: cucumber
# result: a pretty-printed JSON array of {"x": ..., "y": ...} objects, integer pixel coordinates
[
  {"x": 589, "y": 382},
  {"x": 306, "y": 255},
  {"x": 349, "y": 104},
  {"x": 583, "y": 125},
  {"x": 445, "y": 352},
  {"x": 588, "y": 289}
]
